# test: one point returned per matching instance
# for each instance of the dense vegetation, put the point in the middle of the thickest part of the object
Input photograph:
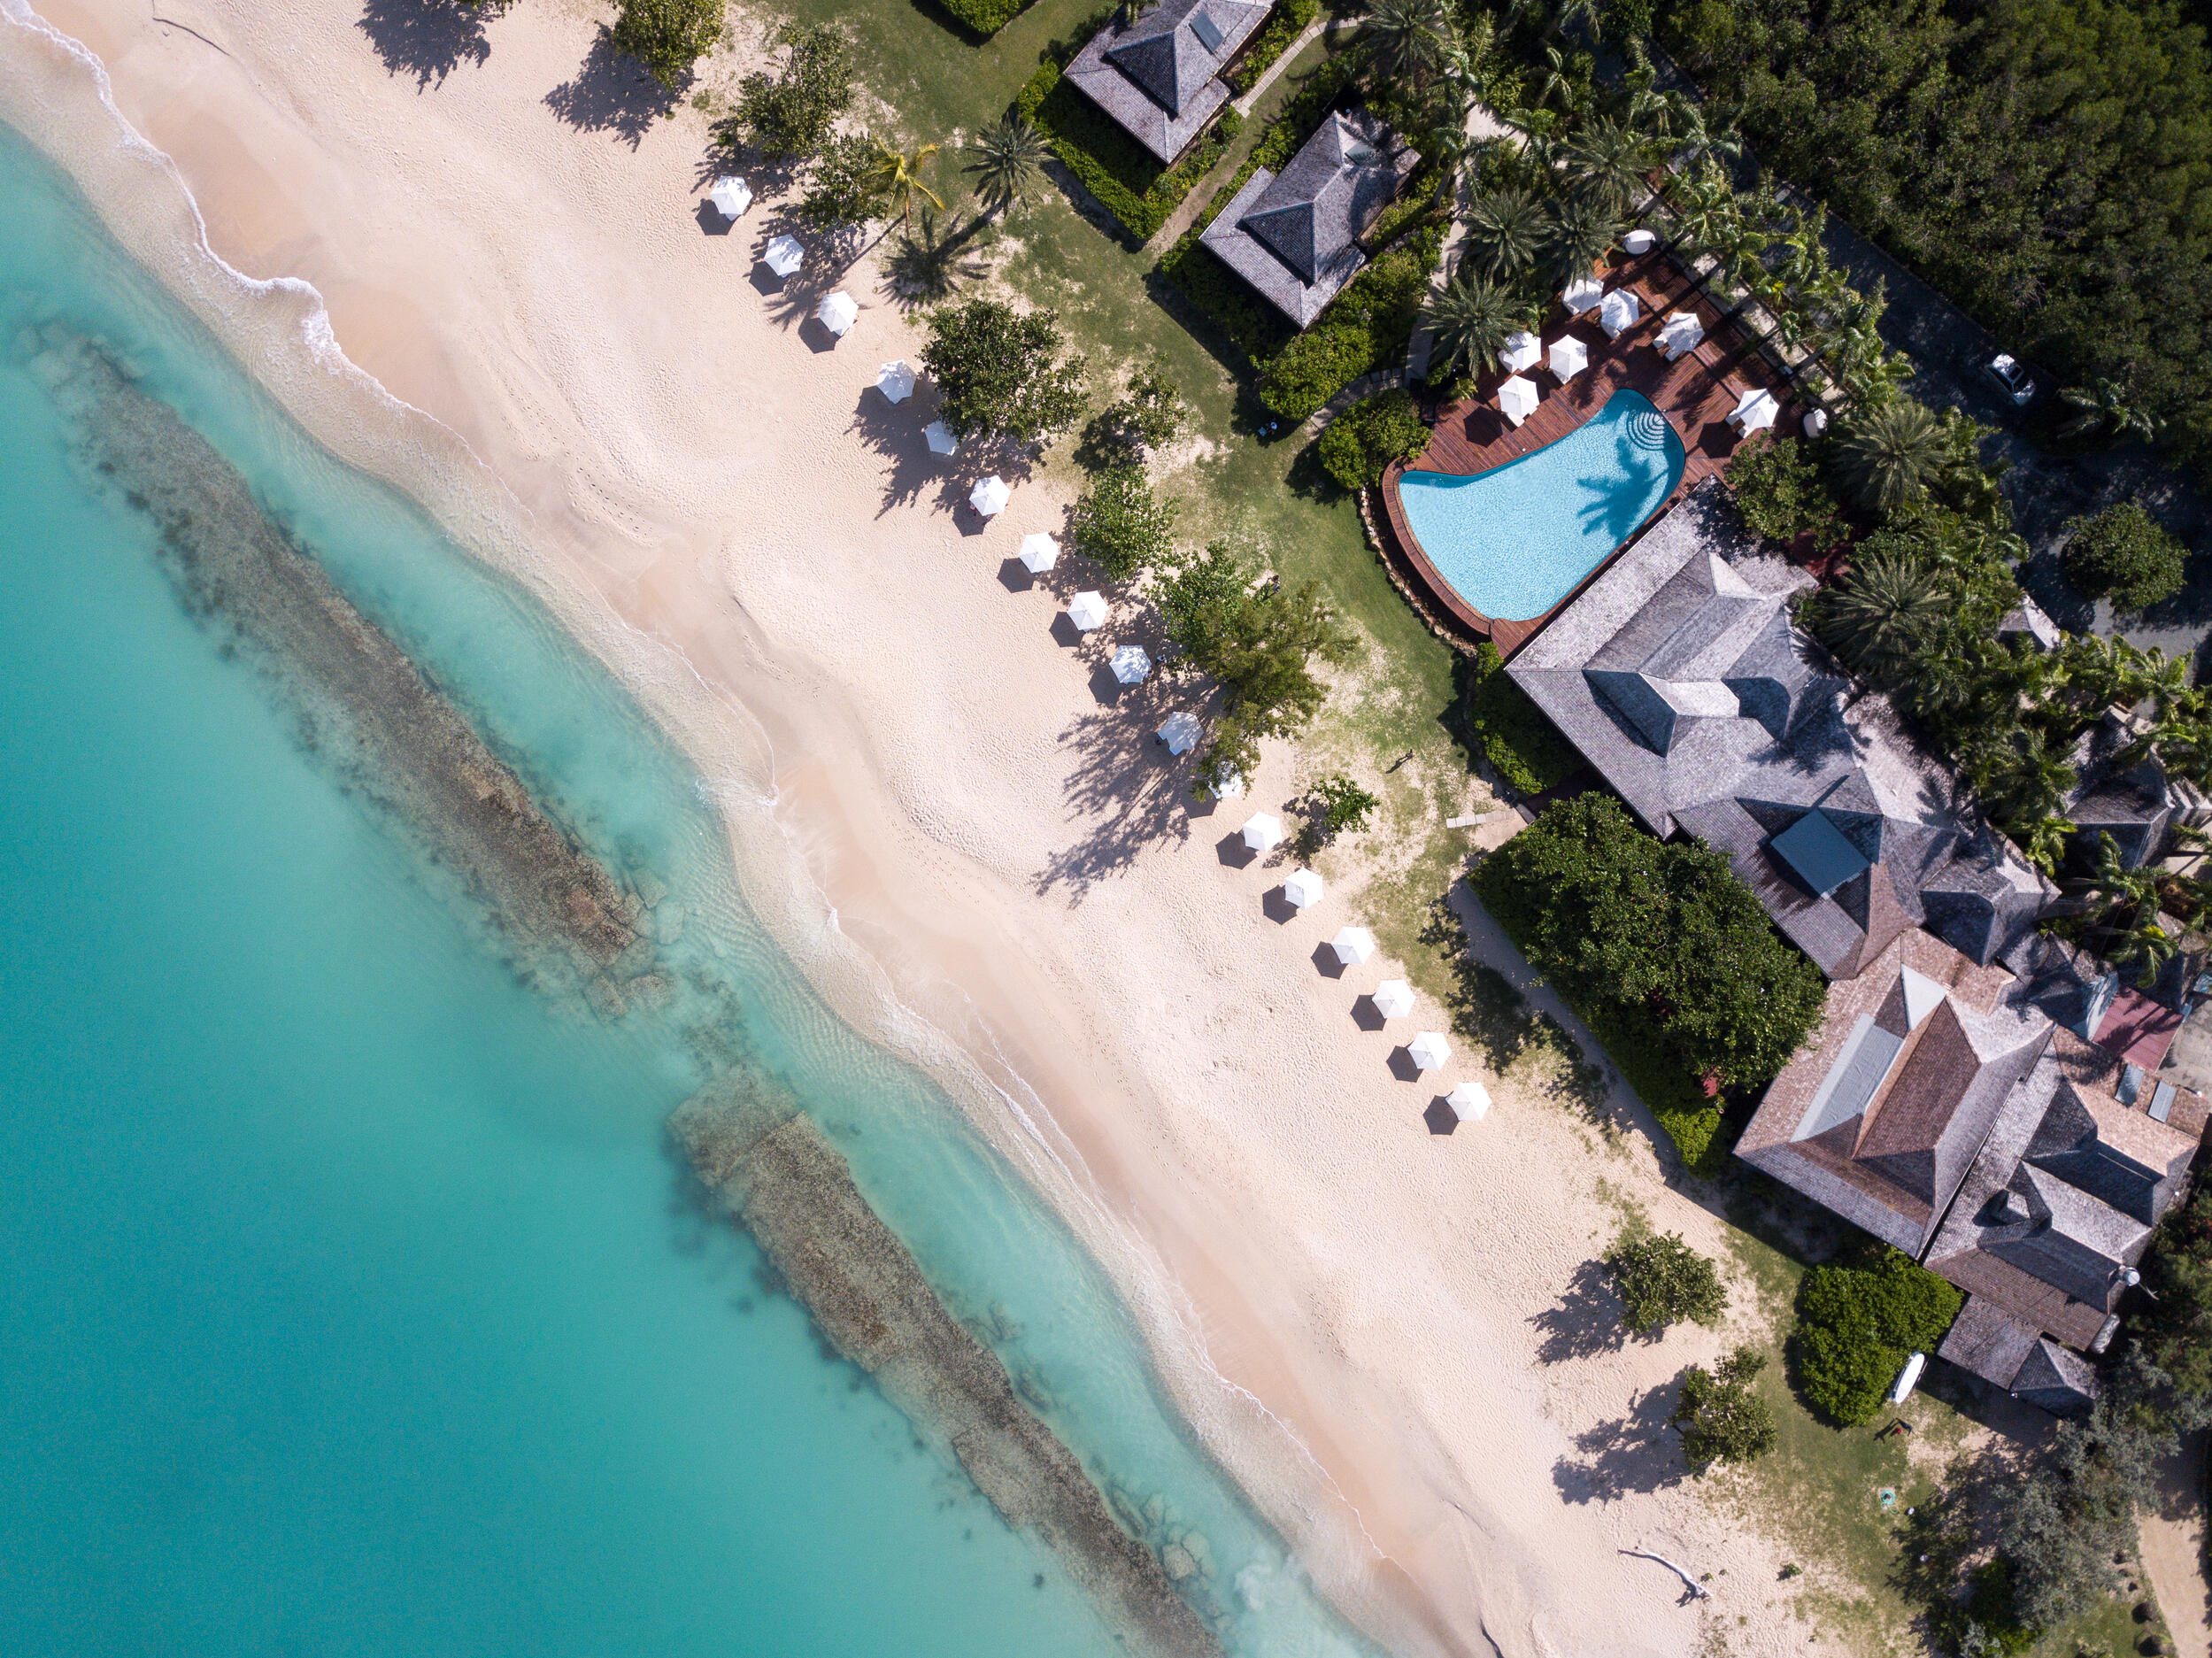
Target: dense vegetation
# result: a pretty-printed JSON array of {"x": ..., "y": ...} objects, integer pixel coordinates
[
  {"x": 1288, "y": 22},
  {"x": 1781, "y": 492},
  {"x": 1858, "y": 1321},
  {"x": 1361, "y": 442},
  {"x": 2125, "y": 554},
  {"x": 1722, "y": 1419},
  {"x": 666, "y": 36},
  {"x": 1003, "y": 373},
  {"x": 1494, "y": 718},
  {"x": 789, "y": 116},
  {"x": 2047, "y": 163},
  {"x": 1662, "y": 949},
  {"x": 986, "y": 17}
]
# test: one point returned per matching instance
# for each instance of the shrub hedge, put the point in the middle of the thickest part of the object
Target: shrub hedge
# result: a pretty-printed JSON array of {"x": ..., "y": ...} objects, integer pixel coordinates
[
  {"x": 1365, "y": 328},
  {"x": 1287, "y": 23},
  {"x": 1497, "y": 720},
  {"x": 1858, "y": 1319},
  {"x": 985, "y": 18},
  {"x": 1360, "y": 443},
  {"x": 1126, "y": 178}
]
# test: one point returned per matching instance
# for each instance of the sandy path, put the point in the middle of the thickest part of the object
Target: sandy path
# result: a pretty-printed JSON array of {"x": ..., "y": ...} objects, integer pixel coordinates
[
  {"x": 1351, "y": 1309},
  {"x": 2173, "y": 1551}
]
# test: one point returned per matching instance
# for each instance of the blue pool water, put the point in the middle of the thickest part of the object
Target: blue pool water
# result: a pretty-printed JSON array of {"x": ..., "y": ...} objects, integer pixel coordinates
[
  {"x": 350, "y": 1299},
  {"x": 1515, "y": 540}
]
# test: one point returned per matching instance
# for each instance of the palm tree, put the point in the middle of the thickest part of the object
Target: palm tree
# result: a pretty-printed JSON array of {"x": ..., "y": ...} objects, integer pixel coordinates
[
  {"x": 1577, "y": 237},
  {"x": 1504, "y": 232},
  {"x": 1890, "y": 453},
  {"x": 898, "y": 176},
  {"x": 2018, "y": 777},
  {"x": 2043, "y": 842},
  {"x": 1609, "y": 164},
  {"x": 2109, "y": 408},
  {"x": 2121, "y": 918},
  {"x": 1407, "y": 40},
  {"x": 1470, "y": 319},
  {"x": 1006, "y": 159},
  {"x": 928, "y": 265},
  {"x": 1883, "y": 612}
]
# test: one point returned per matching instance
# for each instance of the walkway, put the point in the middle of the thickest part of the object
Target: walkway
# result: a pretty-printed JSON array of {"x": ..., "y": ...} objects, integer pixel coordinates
[
  {"x": 1696, "y": 394},
  {"x": 2173, "y": 1551}
]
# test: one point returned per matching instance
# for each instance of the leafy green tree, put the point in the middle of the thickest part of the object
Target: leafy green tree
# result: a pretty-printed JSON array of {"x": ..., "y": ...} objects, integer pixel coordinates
[
  {"x": 1779, "y": 490},
  {"x": 1662, "y": 1281},
  {"x": 928, "y": 265},
  {"x": 842, "y": 189},
  {"x": 1890, "y": 454},
  {"x": 1003, "y": 374},
  {"x": 899, "y": 177},
  {"x": 1721, "y": 1417},
  {"x": 1120, "y": 525},
  {"x": 1006, "y": 160},
  {"x": 790, "y": 115},
  {"x": 1362, "y": 442},
  {"x": 1336, "y": 806},
  {"x": 1469, "y": 318},
  {"x": 1150, "y": 415},
  {"x": 1858, "y": 1320},
  {"x": 1260, "y": 643},
  {"x": 2125, "y": 554},
  {"x": 1506, "y": 232},
  {"x": 666, "y": 36}
]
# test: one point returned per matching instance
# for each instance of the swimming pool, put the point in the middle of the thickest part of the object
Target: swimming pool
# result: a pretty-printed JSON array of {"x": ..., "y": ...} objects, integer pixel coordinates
[{"x": 1515, "y": 540}]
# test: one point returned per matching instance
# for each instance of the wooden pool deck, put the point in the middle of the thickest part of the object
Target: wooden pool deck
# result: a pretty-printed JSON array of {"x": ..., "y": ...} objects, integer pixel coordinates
[{"x": 1695, "y": 393}]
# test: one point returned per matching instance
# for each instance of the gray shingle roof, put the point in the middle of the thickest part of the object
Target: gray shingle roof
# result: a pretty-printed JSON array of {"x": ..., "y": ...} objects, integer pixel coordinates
[
  {"x": 1679, "y": 676},
  {"x": 1158, "y": 76},
  {"x": 1295, "y": 235}
]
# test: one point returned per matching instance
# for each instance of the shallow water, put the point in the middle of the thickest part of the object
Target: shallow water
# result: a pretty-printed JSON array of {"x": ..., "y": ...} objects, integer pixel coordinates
[
  {"x": 352, "y": 1300},
  {"x": 1517, "y": 539}
]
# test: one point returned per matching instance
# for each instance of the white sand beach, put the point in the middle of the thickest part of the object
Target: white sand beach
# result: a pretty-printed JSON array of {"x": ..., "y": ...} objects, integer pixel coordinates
[{"x": 977, "y": 856}]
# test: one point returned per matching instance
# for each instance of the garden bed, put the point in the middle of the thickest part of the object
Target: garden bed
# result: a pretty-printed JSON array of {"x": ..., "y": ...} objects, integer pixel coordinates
[{"x": 982, "y": 19}]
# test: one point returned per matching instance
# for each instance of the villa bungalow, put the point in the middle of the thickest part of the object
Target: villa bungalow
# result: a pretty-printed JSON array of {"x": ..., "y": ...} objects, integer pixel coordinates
[
  {"x": 1295, "y": 235},
  {"x": 1977, "y": 1095},
  {"x": 1158, "y": 73}
]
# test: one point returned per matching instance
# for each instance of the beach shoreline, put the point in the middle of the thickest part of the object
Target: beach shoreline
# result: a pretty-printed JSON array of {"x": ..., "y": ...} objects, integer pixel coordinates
[{"x": 1344, "y": 1314}]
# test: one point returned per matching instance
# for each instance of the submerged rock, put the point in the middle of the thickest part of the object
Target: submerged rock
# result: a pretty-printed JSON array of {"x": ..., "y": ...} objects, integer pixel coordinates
[{"x": 795, "y": 1193}]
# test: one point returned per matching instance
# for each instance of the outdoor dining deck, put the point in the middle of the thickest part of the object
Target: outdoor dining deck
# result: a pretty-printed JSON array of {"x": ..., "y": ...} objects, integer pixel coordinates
[{"x": 1696, "y": 394}]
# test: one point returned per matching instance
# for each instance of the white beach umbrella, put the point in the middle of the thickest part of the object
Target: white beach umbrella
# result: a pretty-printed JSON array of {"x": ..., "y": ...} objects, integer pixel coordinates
[
  {"x": 837, "y": 312},
  {"x": 1679, "y": 334},
  {"x": 1754, "y": 412},
  {"x": 1469, "y": 1102},
  {"x": 1180, "y": 731},
  {"x": 1568, "y": 358},
  {"x": 731, "y": 196},
  {"x": 1521, "y": 351},
  {"x": 784, "y": 256},
  {"x": 1263, "y": 832},
  {"x": 1303, "y": 888},
  {"x": 1517, "y": 399},
  {"x": 1429, "y": 1050},
  {"x": 1584, "y": 293},
  {"x": 1039, "y": 552},
  {"x": 1816, "y": 422},
  {"x": 1229, "y": 782},
  {"x": 1393, "y": 998},
  {"x": 941, "y": 439},
  {"x": 1620, "y": 312},
  {"x": 1131, "y": 664},
  {"x": 1353, "y": 946},
  {"x": 1639, "y": 241},
  {"x": 896, "y": 381},
  {"x": 1087, "y": 611},
  {"x": 989, "y": 497}
]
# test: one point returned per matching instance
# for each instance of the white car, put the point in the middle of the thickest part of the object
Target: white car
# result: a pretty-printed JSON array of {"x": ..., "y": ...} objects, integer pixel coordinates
[{"x": 2007, "y": 371}]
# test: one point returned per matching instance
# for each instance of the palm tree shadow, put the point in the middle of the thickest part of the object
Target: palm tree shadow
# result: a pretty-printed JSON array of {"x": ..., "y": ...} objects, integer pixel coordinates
[
  {"x": 612, "y": 93},
  {"x": 427, "y": 39},
  {"x": 1124, "y": 783}
]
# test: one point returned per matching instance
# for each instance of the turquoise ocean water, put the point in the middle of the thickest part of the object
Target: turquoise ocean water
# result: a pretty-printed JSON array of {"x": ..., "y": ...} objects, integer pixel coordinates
[{"x": 350, "y": 1301}]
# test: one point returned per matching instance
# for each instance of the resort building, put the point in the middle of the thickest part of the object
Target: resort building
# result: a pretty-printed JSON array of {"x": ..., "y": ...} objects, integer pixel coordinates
[
  {"x": 1979, "y": 1095},
  {"x": 1158, "y": 73},
  {"x": 1295, "y": 235}
]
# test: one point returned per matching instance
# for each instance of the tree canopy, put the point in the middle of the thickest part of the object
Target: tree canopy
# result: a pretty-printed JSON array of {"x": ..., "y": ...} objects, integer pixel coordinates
[
  {"x": 1664, "y": 934},
  {"x": 1003, "y": 373},
  {"x": 1722, "y": 1418},
  {"x": 667, "y": 36},
  {"x": 790, "y": 115},
  {"x": 2126, "y": 555},
  {"x": 1858, "y": 1320},
  {"x": 2047, "y": 163},
  {"x": 1662, "y": 1281}
]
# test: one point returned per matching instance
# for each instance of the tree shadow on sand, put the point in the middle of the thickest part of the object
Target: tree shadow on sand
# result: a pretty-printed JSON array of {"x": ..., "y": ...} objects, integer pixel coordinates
[
  {"x": 1121, "y": 782},
  {"x": 1587, "y": 1319},
  {"x": 612, "y": 93},
  {"x": 1630, "y": 1453},
  {"x": 427, "y": 39}
]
